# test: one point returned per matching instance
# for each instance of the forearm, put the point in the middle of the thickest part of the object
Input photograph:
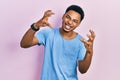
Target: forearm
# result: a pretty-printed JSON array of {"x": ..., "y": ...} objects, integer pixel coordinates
[
  {"x": 27, "y": 38},
  {"x": 85, "y": 64}
]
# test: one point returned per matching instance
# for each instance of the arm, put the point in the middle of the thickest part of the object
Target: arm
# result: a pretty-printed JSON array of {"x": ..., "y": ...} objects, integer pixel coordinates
[
  {"x": 28, "y": 39},
  {"x": 85, "y": 64}
]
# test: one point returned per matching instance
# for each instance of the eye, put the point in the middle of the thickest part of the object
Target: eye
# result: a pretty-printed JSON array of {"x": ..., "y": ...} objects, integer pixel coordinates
[
  {"x": 75, "y": 21},
  {"x": 67, "y": 16}
]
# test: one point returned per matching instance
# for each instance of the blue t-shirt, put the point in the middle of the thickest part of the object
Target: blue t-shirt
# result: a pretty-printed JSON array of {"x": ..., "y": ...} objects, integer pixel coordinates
[{"x": 61, "y": 55}]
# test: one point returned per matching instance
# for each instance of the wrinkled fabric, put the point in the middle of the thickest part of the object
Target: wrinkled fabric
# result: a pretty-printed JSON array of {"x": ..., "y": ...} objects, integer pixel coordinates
[{"x": 60, "y": 55}]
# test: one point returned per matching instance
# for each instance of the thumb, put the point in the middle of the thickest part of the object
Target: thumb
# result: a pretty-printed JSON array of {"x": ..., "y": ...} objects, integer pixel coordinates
[
  {"x": 49, "y": 25},
  {"x": 84, "y": 41},
  {"x": 81, "y": 39}
]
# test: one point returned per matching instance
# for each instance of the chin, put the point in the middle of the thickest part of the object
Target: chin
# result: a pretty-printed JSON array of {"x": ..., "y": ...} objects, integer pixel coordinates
[{"x": 66, "y": 30}]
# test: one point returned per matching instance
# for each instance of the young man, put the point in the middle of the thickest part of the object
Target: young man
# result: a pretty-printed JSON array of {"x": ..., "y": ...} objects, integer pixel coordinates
[{"x": 64, "y": 48}]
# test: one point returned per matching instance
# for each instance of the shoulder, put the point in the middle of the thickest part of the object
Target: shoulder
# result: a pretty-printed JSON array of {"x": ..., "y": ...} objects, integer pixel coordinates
[
  {"x": 47, "y": 30},
  {"x": 79, "y": 36}
]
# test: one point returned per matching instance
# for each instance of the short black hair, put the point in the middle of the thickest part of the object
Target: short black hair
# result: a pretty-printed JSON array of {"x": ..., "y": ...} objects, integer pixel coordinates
[{"x": 77, "y": 9}]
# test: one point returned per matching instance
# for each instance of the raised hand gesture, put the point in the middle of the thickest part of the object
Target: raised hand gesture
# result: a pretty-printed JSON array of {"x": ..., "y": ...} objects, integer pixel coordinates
[
  {"x": 89, "y": 43},
  {"x": 44, "y": 21}
]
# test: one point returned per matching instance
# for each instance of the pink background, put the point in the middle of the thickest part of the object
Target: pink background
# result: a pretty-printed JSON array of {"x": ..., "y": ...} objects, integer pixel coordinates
[{"x": 16, "y": 16}]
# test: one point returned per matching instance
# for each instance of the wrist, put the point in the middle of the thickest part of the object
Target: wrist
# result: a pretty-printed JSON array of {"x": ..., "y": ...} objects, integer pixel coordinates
[
  {"x": 34, "y": 27},
  {"x": 89, "y": 52}
]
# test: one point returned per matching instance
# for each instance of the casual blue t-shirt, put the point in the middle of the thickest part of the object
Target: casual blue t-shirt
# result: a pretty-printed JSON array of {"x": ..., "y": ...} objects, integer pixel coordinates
[{"x": 61, "y": 55}]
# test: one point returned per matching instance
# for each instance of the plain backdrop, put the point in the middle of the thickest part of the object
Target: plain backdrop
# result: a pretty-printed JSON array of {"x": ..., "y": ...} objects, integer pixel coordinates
[{"x": 16, "y": 16}]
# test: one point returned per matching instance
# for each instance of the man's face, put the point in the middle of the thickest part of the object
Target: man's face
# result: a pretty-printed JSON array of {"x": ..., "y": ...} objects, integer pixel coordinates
[{"x": 71, "y": 20}]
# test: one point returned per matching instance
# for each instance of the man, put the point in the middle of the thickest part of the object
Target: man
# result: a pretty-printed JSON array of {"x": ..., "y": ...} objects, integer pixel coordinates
[{"x": 64, "y": 48}]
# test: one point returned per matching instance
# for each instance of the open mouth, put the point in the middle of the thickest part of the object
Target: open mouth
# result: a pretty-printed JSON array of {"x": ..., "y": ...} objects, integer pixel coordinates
[{"x": 68, "y": 27}]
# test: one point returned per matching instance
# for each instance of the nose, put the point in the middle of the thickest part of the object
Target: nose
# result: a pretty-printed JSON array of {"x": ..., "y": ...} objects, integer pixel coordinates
[{"x": 69, "y": 22}]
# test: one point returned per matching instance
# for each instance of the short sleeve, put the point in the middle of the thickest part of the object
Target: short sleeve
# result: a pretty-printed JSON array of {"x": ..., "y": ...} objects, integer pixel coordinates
[
  {"x": 82, "y": 52},
  {"x": 42, "y": 36}
]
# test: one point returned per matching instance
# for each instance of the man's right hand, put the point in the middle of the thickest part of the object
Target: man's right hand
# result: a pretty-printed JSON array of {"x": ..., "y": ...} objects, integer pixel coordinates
[
  {"x": 28, "y": 39},
  {"x": 44, "y": 21}
]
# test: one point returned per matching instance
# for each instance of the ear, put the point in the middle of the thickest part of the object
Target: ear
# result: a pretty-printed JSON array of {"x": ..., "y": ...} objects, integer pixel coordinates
[
  {"x": 78, "y": 24},
  {"x": 63, "y": 16}
]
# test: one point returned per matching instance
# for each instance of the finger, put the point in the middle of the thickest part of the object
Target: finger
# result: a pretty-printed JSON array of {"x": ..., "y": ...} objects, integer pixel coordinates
[
  {"x": 44, "y": 25},
  {"x": 51, "y": 12},
  {"x": 84, "y": 41},
  {"x": 92, "y": 33},
  {"x": 81, "y": 39},
  {"x": 49, "y": 25},
  {"x": 89, "y": 36},
  {"x": 48, "y": 13}
]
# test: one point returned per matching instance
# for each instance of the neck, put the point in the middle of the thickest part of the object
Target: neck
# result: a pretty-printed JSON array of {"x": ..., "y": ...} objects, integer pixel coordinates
[{"x": 67, "y": 35}]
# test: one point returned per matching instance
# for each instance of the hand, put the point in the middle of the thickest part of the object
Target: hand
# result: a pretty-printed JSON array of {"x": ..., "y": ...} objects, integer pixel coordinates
[
  {"x": 89, "y": 43},
  {"x": 44, "y": 21}
]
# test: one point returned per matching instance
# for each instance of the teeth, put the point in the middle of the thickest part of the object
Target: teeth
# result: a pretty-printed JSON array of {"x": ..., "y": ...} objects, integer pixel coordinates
[{"x": 68, "y": 27}]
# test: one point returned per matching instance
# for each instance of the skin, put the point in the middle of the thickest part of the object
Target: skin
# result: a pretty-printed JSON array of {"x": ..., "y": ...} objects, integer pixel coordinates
[
  {"x": 70, "y": 21},
  {"x": 28, "y": 39}
]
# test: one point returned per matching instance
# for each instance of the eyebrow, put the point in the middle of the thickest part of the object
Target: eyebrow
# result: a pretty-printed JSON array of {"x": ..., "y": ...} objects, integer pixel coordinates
[
  {"x": 68, "y": 15},
  {"x": 76, "y": 20},
  {"x": 73, "y": 19}
]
